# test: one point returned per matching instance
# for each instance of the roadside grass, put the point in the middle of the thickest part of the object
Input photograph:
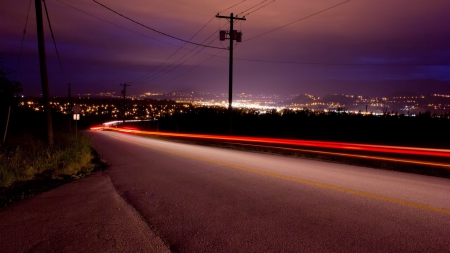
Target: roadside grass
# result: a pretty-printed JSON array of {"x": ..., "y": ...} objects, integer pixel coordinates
[{"x": 28, "y": 166}]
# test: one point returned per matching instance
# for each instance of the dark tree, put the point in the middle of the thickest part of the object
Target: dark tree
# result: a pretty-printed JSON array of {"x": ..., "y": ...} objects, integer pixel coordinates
[{"x": 9, "y": 90}]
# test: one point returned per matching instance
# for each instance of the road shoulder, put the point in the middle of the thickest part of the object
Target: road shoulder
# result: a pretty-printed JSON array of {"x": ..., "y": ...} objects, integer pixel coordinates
[{"x": 86, "y": 215}]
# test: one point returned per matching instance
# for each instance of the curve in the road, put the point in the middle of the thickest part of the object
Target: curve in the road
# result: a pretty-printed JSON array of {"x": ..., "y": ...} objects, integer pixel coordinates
[{"x": 326, "y": 186}]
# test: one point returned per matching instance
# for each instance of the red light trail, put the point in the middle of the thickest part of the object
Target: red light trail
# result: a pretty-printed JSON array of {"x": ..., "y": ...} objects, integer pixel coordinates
[{"x": 305, "y": 143}]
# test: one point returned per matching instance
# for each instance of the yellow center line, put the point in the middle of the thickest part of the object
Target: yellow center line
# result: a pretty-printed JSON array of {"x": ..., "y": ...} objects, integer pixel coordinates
[
  {"x": 445, "y": 165},
  {"x": 303, "y": 181}
]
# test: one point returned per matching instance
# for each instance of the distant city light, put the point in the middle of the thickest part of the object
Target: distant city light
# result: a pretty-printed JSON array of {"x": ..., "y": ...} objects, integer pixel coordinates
[{"x": 146, "y": 106}]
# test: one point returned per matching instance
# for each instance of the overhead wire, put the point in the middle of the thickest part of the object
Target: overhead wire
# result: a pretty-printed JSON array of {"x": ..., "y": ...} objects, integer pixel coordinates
[
  {"x": 243, "y": 59},
  {"x": 114, "y": 24},
  {"x": 189, "y": 70},
  {"x": 196, "y": 52},
  {"x": 54, "y": 41},
  {"x": 212, "y": 56},
  {"x": 180, "y": 47},
  {"x": 124, "y": 28},
  {"x": 193, "y": 51},
  {"x": 161, "y": 63},
  {"x": 194, "y": 67},
  {"x": 23, "y": 38},
  {"x": 231, "y": 6},
  {"x": 159, "y": 75},
  {"x": 293, "y": 22},
  {"x": 150, "y": 28},
  {"x": 322, "y": 63},
  {"x": 339, "y": 64},
  {"x": 259, "y": 8},
  {"x": 254, "y": 6},
  {"x": 287, "y": 62},
  {"x": 252, "y": 60}
]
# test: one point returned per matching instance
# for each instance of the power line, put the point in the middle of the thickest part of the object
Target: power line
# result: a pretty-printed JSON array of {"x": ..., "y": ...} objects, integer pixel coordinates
[
  {"x": 170, "y": 70},
  {"x": 115, "y": 24},
  {"x": 214, "y": 33},
  {"x": 259, "y": 8},
  {"x": 333, "y": 63},
  {"x": 212, "y": 56},
  {"x": 189, "y": 70},
  {"x": 338, "y": 64},
  {"x": 248, "y": 60},
  {"x": 160, "y": 74},
  {"x": 316, "y": 13},
  {"x": 124, "y": 28},
  {"x": 182, "y": 47},
  {"x": 54, "y": 42},
  {"x": 232, "y": 6},
  {"x": 165, "y": 34},
  {"x": 251, "y": 7},
  {"x": 177, "y": 50},
  {"x": 196, "y": 52},
  {"x": 23, "y": 38},
  {"x": 111, "y": 23},
  {"x": 268, "y": 61}
]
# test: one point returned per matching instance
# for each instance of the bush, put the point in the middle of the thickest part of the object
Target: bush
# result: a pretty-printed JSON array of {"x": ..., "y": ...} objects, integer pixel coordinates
[{"x": 26, "y": 157}]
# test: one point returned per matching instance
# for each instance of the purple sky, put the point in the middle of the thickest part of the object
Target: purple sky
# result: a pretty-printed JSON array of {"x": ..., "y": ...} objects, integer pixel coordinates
[{"x": 368, "y": 48}]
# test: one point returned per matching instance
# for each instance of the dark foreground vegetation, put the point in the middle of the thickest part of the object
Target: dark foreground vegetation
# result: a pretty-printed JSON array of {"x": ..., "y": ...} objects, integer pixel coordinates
[{"x": 29, "y": 166}]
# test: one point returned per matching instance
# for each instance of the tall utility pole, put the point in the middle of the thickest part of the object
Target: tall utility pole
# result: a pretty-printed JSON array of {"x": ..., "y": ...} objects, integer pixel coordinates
[
  {"x": 43, "y": 67},
  {"x": 233, "y": 35},
  {"x": 124, "y": 92}
]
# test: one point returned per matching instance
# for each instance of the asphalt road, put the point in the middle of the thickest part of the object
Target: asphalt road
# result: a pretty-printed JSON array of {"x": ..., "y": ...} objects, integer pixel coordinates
[
  {"x": 205, "y": 199},
  {"x": 84, "y": 216}
]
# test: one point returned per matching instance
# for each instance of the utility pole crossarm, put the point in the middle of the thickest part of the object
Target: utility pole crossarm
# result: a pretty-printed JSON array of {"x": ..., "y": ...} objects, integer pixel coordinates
[{"x": 228, "y": 17}]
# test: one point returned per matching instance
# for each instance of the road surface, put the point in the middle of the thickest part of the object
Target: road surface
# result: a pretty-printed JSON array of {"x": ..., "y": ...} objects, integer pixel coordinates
[
  {"x": 206, "y": 199},
  {"x": 84, "y": 216}
]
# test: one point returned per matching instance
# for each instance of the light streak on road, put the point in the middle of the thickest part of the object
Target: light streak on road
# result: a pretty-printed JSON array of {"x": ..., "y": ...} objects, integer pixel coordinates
[
  {"x": 284, "y": 176},
  {"x": 380, "y": 158},
  {"x": 399, "y": 150}
]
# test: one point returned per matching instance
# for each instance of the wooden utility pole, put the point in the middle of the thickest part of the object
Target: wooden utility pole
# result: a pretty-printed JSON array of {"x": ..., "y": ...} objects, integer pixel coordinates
[
  {"x": 43, "y": 68},
  {"x": 124, "y": 92},
  {"x": 233, "y": 35}
]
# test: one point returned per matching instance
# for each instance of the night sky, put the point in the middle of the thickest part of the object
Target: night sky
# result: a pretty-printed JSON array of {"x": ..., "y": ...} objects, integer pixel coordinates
[{"x": 369, "y": 48}]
